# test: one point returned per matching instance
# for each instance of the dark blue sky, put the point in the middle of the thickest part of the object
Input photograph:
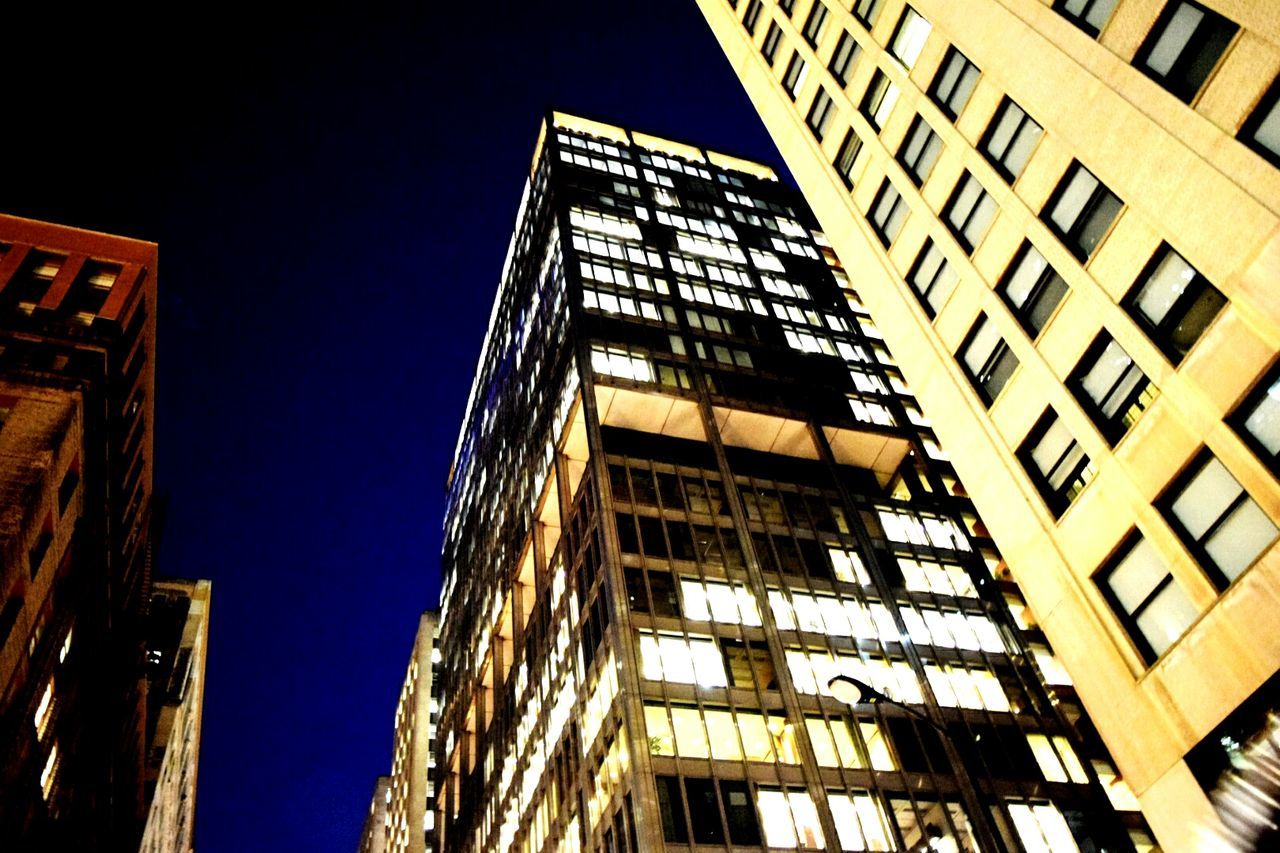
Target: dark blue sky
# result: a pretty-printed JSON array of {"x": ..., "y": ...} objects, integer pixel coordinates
[{"x": 332, "y": 196}]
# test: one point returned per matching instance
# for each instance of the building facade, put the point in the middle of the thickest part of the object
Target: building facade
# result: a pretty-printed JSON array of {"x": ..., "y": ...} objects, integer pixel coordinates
[
  {"x": 1066, "y": 218},
  {"x": 373, "y": 838},
  {"x": 177, "y": 647},
  {"x": 77, "y": 331},
  {"x": 691, "y": 491},
  {"x": 411, "y": 808}
]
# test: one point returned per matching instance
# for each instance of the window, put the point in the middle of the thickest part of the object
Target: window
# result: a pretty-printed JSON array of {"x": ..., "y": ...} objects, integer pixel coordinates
[
  {"x": 879, "y": 99},
  {"x": 1183, "y": 47},
  {"x": 819, "y": 118},
  {"x": 1152, "y": 606},
  {"x": 1174, "y": 303},
  {"x": 1224, "y": 527},
  {"x": 1262, "y": 131},
  {"x": 1258, "y": 420},
  {"x": 847, "y": 156},
  {"x": 814, "y": 23},
  {"x": 769, "y": 50},
  {"x": 866, "y": 11},
  {"x": 1110, "y": 387},
  {"x": 932, "y": 278},
  {"x": 909, "y": 38},
  {"x": 1010, "y": 139},
  {"x": 987, "y": 359},
  {"x": 787, "y": 6},
  {"x": 752, "y": 16},
  {"x": 1081, "y": 211},
  {"x": 1056, "y": 462},
  {"x": 919, "y": 151},
  {"x": 954, "y": 83},
  {"x": 969, "y": 212},
  {"x": 846, "y": 53},
  {"x": 1089, "y": 15},
  {"x": 888, "y": 212},
  {"x": 789, "y": 819},
  {"x": 1032, "y": 289},
  {"x": 794, "y": 78}
]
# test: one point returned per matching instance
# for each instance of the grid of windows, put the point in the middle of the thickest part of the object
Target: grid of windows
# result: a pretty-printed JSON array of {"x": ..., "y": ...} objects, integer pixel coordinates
[
  {"x": 814, "y": 23},
  {"x": 793, "y": 79},
  {"x": 1258, "y": 420},
  {"x": 1184, "y": 46},
  {"x": 847, "y": 157},
  {"x": 909, "y": 37},
  {"x": 954, "y": 83},
  {"x": 987, "y": 359},
  {"x": 1010, "y": 139},
  {"x": 1055, "y": 462},
  {"x": 820, "y": 113},
  {"x": 1111, "y": 388},
  {"x": 888, "y": 213},
  {"x": 969, "y": 212},
  {"x": 843, "y": 58},
  {"x": 919, "y": 151},
  {"x": 878, "y": 100},
  {"x": 1151, "y": 604},
  {"x": 773, "y": 38},
  {"x": 932, "y": 278},
  {"x": 1221, "y": 524},
  {"x": 1032, "y": 288},
  {"x": 1173, "y": 303},
  {"x": 1089, "y": 15},
  {"x": 1262, "y": 131},
  {"x": 1081, "y": 211}
]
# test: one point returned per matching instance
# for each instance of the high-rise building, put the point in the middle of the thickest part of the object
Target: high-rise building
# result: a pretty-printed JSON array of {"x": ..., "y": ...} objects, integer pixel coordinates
[
  {"x": 373, "y": 838},
  {"x": 1064, "y": 216},
  {"x": 411, "y": 808},
  {"x": 177, "y": 646},
  {"x": 709, "y": 578},
  {"x": 77, "y": 331}
]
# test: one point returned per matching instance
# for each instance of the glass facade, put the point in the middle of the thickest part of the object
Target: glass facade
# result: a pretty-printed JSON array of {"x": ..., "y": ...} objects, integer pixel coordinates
[{"x": 691, "y": 489}]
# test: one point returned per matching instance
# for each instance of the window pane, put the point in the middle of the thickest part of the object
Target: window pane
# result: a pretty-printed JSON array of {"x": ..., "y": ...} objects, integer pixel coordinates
[
  {"x": 1241, "y": 538},
  {"x": 1205, "y": 498},
  {"x": 1072, "y": 202},
  {"x": 908, "y": 41},
  {"x": 690, "y": 736},
  {"x": 1263, "y": 423},
  {"x": 1166, "y": 618},
  {"x": 1177, "y": 33},
  {"x": 1027, "y": 271},
  {"x": 1134, "y": 578}
]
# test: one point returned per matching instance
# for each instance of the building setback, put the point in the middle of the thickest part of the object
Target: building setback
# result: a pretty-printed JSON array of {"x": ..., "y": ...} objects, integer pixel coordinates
[
  {"x": 77, "y": 332},
  {"x": 1065, "y": 216},
  {"x": 691, "y": 489}
]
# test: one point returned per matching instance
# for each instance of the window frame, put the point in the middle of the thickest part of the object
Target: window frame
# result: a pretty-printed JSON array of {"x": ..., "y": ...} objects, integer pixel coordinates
[
  {"x": 789, "y": 85},
  {"x": 1245, "y": 409},
  {"x": 1070, "y": 238},
  {"x": 866, "y": 12},
  {"x": 1039, "y": 290},
  {"x": 851, "y": 139},
  {"x": 772, "y": 41},
  {"x": 1081, "y": 21},
  {"x": 873, "y": 99},
  {"x": 1058, "y": 500},
  {"x": 1160, "y": 333},
  {"x": 1129, "y": 619},
  {"x": 844, "y": 72},
  {"x": 815, "y": 24},
  {"x": 944, "y": 102},
  {"x": 1134, "y": 402},
  {"x": 1202, "y": 35},
  {"x": 957, "y": 231},
  {"x": 911, "y": 166},
  {"x": 1268, "y": 105},
  {"x": 997, "y": 162},
  {"x": 751, "y": 17},
  {"x": 822, "y": 101},
  {"x": 990, "y": 363},
  {"x": 923, "y": 293},
  {"x": 881, "y": 229},
  {"x": 909, "y": 14}
]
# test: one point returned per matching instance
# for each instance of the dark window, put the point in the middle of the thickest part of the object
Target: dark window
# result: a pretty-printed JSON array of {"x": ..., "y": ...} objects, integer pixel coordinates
[
  {"x": 702, "y": 803},
  {"x": 1173, "y": 303},
  {"x": 887, "y": 213},
  {"x": 866, "y": 11},
  {"x": 1032, "y": 289},
  {"x": 1258, "y": 420},
  {"x": 954, "y": 82},
  {"x": 787, "y": 6},
  {"x": 932, "y": 278},
  {"x": 39, "y": 549},
  {"x": 1010, "y": 139},
  {"x": 819, "y": 118},
  {"x": 1089, "y": 15},
  {"x": 1183, "y": 47},
  {"x": 814, "y": 23},
  {"x": 846, "y": 53},
  {"x": 1151, "y": 605},
  {"x": 744, "y": 828},
  {"x": 919, "y": 151},
  {"x": 1110, "y": 387},
  {"x": 1081, "y": 211},
  {"x": 67, "y": 487},
  {"x": 671, "y": 810},
  {"x": 878, "y": 100},
  {"x": 794, "y": 78},
  {"x": 969, "y": 212},
  {"x": 769, "y": 50},
  {"x": 752, "y": 16},
  {"x": 1224, "y": 527},
  {"x": 1055, "y": 462},
  {"x": 847, "y": 156},
  {"x": 987, "y": 359},
  {"x": 909, "y": 37},
  {"x": 1262, "y": 131}
]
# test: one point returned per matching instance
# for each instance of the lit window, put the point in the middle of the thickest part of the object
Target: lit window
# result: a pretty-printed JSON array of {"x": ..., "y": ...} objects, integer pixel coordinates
[
  {"x": 860, "y": 821},
  {"x": 843, "y": 58},
  {"x": 697, "y": 661},
  {"x": 1089, "y": 15},
  {"x": 1042, "y": 828},
  {"x": 1225, "y": 528},
  {"x": 1184, "y": 46},
  {"x": 1151, "y": 604},
  {"x": 814, "y": 23},
  {"x": 888, "y": 213},
  {"x": 1057, "y": 760},
  {"x": 930, "y": 825},
  {"x": 919, "y": 151},
  {"x": 932, "y": 278},
  {"x": 1055, "y": 462},
  {"x": 1110, "y": 387},
  {"x": 1010, "y": 139},
  {"x": 789, "y": 819},
  {"x": 987, "y": 359},
  {"x": 847, "y": 566},
  {"x": 909, "y": 38},
  {"x": 793, "y": 79},
  {"x": 878, "y": 100},
  {"x": 1081, "y": 211},
  {"x": 49, "y": 774},
  {"x": 1262, "y": 131},
  {"x": 926, "y": 576},
  {"x": 769, "y": 50},
  {"x": 1174, "y": 303},
  {"x": 969, "y": 212},
  {"x": 1032, "y": 289},
  {"x": 44, "y": 710},
  {"x": 1258, "y": 419},
  {"x": 954, "y": 83},
  {"x": 611, "y": 361},
  {"x": 819, "y": 118},
  {"x": 847, "y": 156},
  {"x": 719, "y": 602}
]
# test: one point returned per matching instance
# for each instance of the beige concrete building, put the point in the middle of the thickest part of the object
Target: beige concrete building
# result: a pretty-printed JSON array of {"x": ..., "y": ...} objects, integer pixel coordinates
[
  {"x": 411, "y": 806},
  {"x": 1063, "y": 217},
  {"x": 373, "y": 838},
  {"x": 177, "y": 644}
]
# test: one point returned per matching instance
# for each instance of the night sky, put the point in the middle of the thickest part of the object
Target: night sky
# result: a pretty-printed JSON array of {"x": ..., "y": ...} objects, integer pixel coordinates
[{"x": 332, "y": 196}]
